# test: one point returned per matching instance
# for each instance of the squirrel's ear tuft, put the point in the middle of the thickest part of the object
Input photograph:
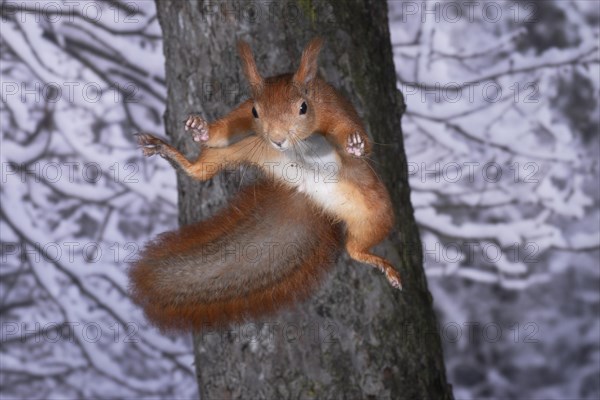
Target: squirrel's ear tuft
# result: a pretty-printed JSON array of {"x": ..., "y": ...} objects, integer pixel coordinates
[
  {"x": 308, "y": 64},
  {"x": 254, "y": 79}
]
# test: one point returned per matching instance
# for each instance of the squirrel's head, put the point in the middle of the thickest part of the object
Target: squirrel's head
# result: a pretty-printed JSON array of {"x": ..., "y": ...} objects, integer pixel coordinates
[{"x": 283, "y": 109}]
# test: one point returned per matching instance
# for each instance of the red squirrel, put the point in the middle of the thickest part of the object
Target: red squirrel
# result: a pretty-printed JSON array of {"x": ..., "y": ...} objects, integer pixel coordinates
[{"x": 310, "y": 144}]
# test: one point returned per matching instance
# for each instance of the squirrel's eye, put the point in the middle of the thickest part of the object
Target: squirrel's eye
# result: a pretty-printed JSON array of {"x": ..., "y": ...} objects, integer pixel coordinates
[
  {"x": 303, "y": 108},
  {"x": 254, "y": 112}
]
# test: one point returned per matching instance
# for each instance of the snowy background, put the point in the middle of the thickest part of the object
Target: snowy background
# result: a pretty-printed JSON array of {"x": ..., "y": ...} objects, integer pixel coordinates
[{"x": 502, "y": 138}]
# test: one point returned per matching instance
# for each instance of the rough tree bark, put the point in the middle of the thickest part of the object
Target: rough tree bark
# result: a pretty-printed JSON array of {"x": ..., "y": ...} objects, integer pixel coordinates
[{"x": 357, "y": 337}]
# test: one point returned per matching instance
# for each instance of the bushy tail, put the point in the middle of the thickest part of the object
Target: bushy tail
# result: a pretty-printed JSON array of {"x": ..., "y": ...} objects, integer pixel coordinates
[{"x": 266, "y": 249}]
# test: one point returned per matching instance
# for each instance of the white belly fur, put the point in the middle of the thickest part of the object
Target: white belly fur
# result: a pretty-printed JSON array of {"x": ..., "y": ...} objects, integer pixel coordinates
[{"x": 313, "y": 168}]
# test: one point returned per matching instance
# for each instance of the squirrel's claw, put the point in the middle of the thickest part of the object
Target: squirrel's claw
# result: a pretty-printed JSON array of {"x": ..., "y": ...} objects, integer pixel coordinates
[
  {"x": 355, "y": 145},
  {"x": 199, "y": 128},
  {"x": 394, "y": 278},
  {"x": 149, "y": 144}
]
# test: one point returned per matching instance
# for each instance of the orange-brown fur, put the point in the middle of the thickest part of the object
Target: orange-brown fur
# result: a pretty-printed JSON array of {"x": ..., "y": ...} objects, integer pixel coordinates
[
  {"x": 276, "y": 132},
  {"x": 172, "y": 307}
]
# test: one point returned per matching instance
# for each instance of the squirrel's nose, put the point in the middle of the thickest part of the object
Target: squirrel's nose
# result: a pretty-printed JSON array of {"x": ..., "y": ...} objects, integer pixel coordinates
[{"x": 278, "y": 143}]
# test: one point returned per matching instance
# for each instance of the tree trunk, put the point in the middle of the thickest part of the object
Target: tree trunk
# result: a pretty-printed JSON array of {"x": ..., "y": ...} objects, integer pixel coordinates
[{"x": 357, "y": 337}]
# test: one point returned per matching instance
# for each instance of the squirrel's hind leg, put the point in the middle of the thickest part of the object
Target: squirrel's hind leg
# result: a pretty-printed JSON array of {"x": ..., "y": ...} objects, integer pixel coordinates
[{"x": 358, "y": 253}]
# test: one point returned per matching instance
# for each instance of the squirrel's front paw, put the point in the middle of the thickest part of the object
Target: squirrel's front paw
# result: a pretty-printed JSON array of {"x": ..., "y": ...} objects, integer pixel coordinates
[
  {"x": 150, "y": 144},
  {"x": 198, "y": 127},
  {"x": 355, "y": 145}
]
